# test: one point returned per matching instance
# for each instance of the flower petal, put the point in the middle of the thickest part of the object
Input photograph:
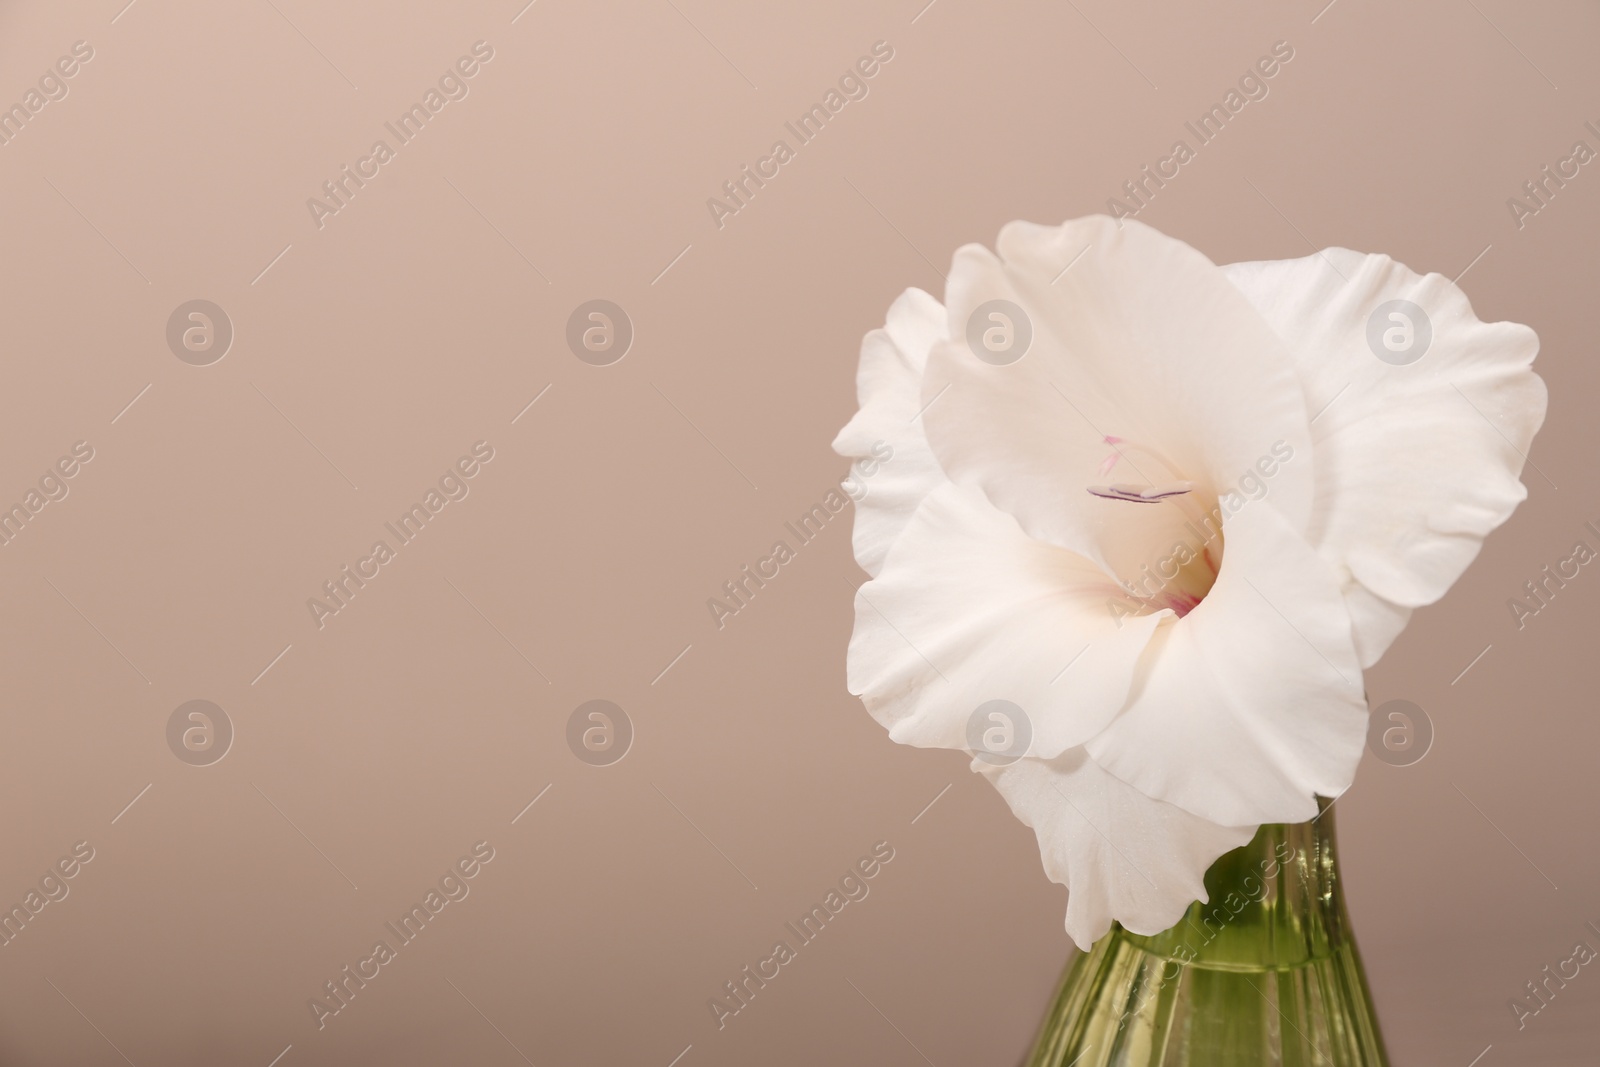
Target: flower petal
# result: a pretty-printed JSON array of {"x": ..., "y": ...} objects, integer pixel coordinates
[
  {"x": 1120, "y": 854},
  {"x": 967, "y": 609},
  {"x": 1134, "y": 335},
  {"x": 1415, "y": 463},
  {"x": 1374, "y": 621},
  {"x": 1251, "y": 704},
  {"x": 889, "y": 389}
]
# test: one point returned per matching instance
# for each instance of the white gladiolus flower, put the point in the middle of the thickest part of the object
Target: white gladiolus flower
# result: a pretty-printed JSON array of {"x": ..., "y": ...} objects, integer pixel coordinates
[{"x": 1170, "y": 511}]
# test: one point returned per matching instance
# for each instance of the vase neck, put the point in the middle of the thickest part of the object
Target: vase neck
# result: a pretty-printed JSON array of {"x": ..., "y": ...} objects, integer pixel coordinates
[{"x": 1276, "y": 902}]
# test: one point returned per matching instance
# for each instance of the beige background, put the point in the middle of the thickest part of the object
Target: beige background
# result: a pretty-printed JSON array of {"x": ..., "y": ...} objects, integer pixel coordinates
[{"x": 424, "y": 317}]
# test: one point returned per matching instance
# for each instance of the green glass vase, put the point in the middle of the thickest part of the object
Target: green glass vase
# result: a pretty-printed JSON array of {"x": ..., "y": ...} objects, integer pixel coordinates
[{"x": 1266, "y": 973}]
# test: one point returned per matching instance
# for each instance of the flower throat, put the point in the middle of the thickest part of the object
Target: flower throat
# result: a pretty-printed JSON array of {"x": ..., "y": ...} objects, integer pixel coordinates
[{"x": 1181, "y": 579}]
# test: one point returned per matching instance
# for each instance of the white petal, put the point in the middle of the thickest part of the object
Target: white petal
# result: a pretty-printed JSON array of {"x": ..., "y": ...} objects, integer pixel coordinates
[
  {"x": 1415, "y": 464},
  {"x": 968, "y": 609},
  {"x": 1250, "y": 705},
  {"x": 1374, "y": 621},
  {"x": 889, "y": 389},
  {"x": 1134, "y": 335},
  {"x": 1120, "y": 854}
]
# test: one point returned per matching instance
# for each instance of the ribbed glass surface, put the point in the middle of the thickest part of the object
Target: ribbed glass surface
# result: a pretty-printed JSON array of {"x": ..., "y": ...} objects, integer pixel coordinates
[{"x": 1266, "y": 973}]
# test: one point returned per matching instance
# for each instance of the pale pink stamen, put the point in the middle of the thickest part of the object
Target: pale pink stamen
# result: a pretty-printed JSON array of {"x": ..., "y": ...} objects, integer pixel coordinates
[{"x": 1141, "y": 494}]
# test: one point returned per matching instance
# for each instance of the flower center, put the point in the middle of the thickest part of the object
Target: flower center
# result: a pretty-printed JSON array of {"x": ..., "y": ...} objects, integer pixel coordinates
[{"x": 1188, "y": 536}]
